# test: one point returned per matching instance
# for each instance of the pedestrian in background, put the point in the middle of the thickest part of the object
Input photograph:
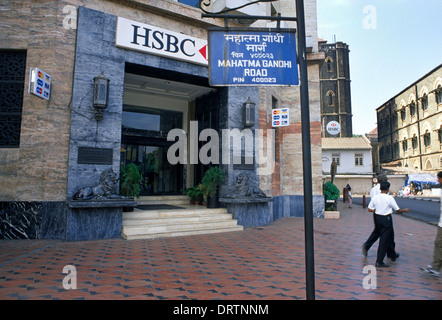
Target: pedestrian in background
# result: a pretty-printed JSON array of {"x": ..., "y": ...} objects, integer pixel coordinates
[
  {"x": 435, "y": 267},
  {"x": 383, "y": 205},
  {"x": 350, "y": 199},
  {"x": 375, "y": 234}
]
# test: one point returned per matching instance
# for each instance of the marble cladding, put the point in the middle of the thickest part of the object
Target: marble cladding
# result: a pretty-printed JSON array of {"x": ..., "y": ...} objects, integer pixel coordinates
[
  {"x": 55, "y": 220},
  {"x": 32, "y": 220},
  {"x": 96, "y": 53},
  {"x": 293, "y": 206}
]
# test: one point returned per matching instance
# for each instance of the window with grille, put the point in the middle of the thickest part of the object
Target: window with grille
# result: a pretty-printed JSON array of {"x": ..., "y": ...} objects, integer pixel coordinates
[
  {"x": 336, "y": 157},
  {"x": 359, "y": 159},
  {"x": 12, "y": 78}
]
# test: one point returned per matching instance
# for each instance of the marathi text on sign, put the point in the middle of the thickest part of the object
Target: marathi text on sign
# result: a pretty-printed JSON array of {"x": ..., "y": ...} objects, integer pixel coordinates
[{"x": 252, "y": 58}]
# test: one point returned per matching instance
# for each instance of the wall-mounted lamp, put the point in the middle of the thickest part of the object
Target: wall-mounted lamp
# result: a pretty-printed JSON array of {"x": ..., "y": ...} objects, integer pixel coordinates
[
  {"x": 101, "y": 95},
  {"x": 249, "y": 113}
]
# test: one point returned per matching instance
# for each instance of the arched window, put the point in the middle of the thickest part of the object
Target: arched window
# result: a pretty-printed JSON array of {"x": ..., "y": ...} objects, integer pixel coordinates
[
  {"x": 405, "y": 145},
  {"x": 428, "y": 165},
  {"x": 427, "y": 139},
  {"x": 412, "y": 109},
  {"x": 329, "y": 62},
  {"x": 438, "y": 94},
  {"x": 414, "y": 142},
  {"x": 424, "y": 102},
  {"x": 331, "y": 98}
]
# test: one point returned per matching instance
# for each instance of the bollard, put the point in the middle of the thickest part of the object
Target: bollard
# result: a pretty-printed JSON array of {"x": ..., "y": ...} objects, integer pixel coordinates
[{"x": 364, "y": 203}]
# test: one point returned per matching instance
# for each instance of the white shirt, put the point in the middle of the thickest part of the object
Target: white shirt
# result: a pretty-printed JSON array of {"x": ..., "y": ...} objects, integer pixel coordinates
[
  {"x": 375, "y": 191},
  {"x": 383, "y": 204}
]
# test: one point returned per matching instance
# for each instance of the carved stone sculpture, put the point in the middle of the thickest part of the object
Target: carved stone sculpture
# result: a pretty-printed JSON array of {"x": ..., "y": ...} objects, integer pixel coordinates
[
  {"x": 247, "y": 187},
  {"x": 105, "y": 190}
]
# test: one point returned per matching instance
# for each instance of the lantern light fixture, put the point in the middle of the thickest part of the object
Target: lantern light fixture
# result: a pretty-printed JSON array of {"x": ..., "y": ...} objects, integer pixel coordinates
[
  {"x": 101, "y": 95},
  {"x": 249, "y": 113}
]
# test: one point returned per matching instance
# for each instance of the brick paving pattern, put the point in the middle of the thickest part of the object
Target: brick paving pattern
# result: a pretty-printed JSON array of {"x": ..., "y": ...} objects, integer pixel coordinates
[{"x": 264, "y": 263}]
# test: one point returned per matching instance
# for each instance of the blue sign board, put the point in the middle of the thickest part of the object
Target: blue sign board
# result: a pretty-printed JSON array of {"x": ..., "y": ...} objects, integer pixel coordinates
[{"x": 252, "y": 58}]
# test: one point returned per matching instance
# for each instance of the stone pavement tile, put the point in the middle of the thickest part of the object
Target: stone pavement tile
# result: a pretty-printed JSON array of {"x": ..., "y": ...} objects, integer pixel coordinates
[{"x": 259, "y": 263}]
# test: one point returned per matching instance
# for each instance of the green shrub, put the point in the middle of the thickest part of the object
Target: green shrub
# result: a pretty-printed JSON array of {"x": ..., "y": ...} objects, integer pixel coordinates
[
  {"x": 331, "y": 192},
  {"x": 130, "y": 181}
]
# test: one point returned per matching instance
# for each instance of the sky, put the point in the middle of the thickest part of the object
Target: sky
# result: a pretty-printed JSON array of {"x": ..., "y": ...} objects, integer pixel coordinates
[{"x": 392, "y": 44}]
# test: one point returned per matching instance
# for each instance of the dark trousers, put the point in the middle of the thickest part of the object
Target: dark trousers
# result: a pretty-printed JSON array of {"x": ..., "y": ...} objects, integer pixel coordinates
[
  {"x": 373, "y": 236},
  {"x": 384, "y": 224},
  {"x": 383, "y": 228}
]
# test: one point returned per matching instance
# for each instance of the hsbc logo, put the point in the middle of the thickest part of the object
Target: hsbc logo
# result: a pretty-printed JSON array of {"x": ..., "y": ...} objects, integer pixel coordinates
[{"x": 150, "y": 39}]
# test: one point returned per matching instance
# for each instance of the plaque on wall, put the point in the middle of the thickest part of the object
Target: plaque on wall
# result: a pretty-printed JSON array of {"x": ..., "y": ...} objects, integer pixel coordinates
[{"x": 95, "y": 156}]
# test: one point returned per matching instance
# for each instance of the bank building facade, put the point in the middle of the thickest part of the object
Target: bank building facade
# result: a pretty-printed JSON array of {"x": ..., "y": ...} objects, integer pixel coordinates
[{"x": 90, "y": 87}]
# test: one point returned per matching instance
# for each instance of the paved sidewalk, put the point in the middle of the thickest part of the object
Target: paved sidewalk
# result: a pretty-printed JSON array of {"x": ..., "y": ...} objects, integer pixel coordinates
[{"x": 258, "y": 263}]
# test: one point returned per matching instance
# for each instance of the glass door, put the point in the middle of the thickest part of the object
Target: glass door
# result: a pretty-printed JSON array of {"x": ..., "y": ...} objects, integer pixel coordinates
[
  {"x": 144, "y": 143},
  {"x": 159, "y": 176}
]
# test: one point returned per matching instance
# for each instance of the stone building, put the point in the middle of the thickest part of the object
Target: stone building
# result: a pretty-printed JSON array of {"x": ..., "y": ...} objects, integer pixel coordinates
[
  {"x": 410, "y": 126},
  {"x": 335, "y": 88},
  {"x": 51, "y": 147}
]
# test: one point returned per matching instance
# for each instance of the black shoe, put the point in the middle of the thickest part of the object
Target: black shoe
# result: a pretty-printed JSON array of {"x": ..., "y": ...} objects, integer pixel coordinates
[
  {"x": 381, "y": 265},
  {"x": 364, "y": 250},
  {"x": 395, "y": 257}
]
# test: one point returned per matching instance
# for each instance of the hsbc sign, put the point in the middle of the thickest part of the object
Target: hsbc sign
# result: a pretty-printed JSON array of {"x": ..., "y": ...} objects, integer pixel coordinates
[{"x": 150, "y": 39}]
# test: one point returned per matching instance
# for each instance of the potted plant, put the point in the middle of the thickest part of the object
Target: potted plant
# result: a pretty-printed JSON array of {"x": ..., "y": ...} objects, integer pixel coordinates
[
  {"x": 193, "y": 194},
  {"x": 331, "y": 196},
  {"x": 203, "y": 192},
  {"x": 130, "y": 181},
  {"x": 198, "y": 194},
  {"x": 211, "y": 180}
]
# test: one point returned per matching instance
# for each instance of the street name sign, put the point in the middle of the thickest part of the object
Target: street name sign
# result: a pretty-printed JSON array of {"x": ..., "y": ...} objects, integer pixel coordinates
[{"x": 252, "y": 58}]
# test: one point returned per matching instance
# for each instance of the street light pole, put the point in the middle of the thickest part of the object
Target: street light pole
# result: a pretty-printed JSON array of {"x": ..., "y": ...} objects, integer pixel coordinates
[{"x": 306, "y": 154}]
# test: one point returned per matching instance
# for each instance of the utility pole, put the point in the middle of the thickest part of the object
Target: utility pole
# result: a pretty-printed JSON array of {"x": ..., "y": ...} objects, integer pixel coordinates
[{"x": 306, "y": 154}]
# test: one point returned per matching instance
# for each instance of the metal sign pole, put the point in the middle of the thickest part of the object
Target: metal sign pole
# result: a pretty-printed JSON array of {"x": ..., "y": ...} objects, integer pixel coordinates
[
  {"x": 306, "y": 154},
  {"x": 305, "y": 119}
]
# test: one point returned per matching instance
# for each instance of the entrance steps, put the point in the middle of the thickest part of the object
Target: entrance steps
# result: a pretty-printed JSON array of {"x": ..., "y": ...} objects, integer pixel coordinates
[
  {"x": 163, "y": 200},
  {"x": 192, "y": 220}
]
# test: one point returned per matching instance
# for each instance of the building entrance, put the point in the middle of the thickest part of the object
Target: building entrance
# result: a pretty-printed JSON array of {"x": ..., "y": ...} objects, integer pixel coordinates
[
  {"x": 144, "y": 143},
  {"x": 152, "y": 106}
]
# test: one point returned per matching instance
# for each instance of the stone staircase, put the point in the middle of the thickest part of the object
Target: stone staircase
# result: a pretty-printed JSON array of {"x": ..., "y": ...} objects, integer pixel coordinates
[
  {"x": 173, "y": 222},
  {"x": 163, "y": 200}
]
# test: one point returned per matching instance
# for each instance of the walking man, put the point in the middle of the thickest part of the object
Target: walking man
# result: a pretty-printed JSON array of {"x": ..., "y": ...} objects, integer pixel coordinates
[
  {"x": 375, "y": 234},
  {"x": 382, "y": 206},
  {"x": 434, "y": 268}
]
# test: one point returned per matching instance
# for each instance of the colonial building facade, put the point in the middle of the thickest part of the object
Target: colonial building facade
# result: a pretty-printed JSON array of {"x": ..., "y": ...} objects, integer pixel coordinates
[
  {"x": 335, "y": 88},
  {"x": 410, "y": 125},
  {"x": 58, "y": 135}
]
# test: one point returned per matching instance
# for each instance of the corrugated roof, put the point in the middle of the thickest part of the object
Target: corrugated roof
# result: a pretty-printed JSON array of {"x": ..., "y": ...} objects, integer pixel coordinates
[{"x": 346, "y": 143}]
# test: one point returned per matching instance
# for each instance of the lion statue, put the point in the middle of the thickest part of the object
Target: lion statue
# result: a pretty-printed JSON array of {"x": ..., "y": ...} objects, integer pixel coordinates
[{"x": 106, "y": 189}]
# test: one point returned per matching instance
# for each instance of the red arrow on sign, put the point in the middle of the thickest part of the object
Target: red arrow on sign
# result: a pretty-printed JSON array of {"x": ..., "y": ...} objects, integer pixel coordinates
[{"x": 203, "y": 51}]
